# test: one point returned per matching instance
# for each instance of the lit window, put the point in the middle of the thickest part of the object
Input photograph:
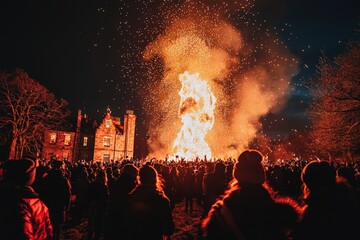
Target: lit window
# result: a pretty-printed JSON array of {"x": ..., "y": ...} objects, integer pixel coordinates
[
  {"x": 85, "y": 141},
  {"x": 108, "y": 123},
  {"x": 106, "y": 158},
  {"x": 67, "y": 139},
  {"x": 52, "y": 137},
  {"x": 106, "y": 141},
  {"x": 65, "y": 155}
]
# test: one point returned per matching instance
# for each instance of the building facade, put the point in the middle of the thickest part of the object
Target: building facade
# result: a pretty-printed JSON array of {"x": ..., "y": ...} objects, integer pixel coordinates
[
  {"x": 114, "y": 140},
  {"x": 58, "y": 145},
  {"x": 111, "y": 140}
]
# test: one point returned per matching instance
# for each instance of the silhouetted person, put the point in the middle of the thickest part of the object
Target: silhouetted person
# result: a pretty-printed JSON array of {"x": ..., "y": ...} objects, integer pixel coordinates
[
  {"x": 41, "y": 172},
  {"x": 22, "y": 214},
  {"x": 56, "y": 194},
  {"x": 119, "y": 195},
  {"x": 330, "y": 211},
  {"x": 214, "y": 185},
  {"x": 189, "y": 181},
  {"x": 198, "y": 184},
  {"x": 98, "y": 196},
  {"x": 248, "y": 211},
  {"x": 82, "y": 189},
  {"x": 110, "y": 176},
  {"x": 174, "y": 184},
  {"x": 169, "y": 185},
  {"x": 148, "y": 213}
]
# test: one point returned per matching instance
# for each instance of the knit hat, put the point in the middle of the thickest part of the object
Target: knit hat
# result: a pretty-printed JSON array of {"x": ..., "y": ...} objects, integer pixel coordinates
[
  {"x": 21, "y": 172},
  {"x": 317, "y": 175},
  {"x": 249, "y": 168}
]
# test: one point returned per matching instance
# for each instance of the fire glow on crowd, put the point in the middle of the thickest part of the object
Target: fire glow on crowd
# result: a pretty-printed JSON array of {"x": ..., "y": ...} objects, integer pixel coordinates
[{"x": 229, "y": 78}]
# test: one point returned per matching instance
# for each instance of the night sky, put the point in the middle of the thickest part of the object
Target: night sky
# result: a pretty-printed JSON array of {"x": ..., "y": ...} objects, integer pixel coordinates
[{"x": 91, "y": 52}]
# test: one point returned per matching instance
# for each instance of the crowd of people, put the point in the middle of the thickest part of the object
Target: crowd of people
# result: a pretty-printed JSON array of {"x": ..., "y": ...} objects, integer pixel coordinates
[{"x": 244, "y": 198}]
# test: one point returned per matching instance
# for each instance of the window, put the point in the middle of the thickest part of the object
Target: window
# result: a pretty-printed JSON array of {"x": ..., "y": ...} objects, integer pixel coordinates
[
  {"x": 67, "y": 138},
  {"x": 65, "y": 155},
  {"x": 52, "y": 138},
  {"x": 106, "y": 141},
  {"x": 108, "y": 123},
  {"x": 85, "y": 141},
  {"x": 106, "y": 158}
]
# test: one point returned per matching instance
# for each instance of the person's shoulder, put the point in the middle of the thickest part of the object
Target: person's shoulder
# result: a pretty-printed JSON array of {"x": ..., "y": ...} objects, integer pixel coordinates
[
  {"x": 35, "y": 203},
  {"x": 162, "y": 198}
]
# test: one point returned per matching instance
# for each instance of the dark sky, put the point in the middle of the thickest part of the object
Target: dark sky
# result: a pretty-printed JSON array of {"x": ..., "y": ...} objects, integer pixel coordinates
[{"x": 90, "y": 52}]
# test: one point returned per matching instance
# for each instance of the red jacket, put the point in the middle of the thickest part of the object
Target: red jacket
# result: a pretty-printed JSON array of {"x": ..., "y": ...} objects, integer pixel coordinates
[{"x": 22, "y": 214}]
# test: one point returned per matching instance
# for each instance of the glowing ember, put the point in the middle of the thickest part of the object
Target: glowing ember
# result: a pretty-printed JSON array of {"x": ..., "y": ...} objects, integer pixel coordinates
[{"x": 196, "y": 108}]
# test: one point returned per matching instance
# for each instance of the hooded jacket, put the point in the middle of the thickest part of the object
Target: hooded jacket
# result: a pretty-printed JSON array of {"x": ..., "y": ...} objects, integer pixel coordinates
[{"x": 22, "y": 214}]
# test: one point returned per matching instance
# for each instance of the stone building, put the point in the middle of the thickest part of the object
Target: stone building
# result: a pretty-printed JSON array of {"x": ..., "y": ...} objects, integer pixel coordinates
[
  {"x": 109, "y": 140},
  {"x": 58, "y": 145},
  {"x": 113, "y": 140}
]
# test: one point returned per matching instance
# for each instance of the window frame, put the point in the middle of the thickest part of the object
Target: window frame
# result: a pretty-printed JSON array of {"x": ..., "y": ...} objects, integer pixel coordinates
[
  {"x": 106, "y": 141},
  {"x": 85, "y": 141},
  {"x": 107, "y": 123},
  {"x": 107, "y": 157},
  {"x": 67, "y": 139},
  {"x": 53, "y": 137}
]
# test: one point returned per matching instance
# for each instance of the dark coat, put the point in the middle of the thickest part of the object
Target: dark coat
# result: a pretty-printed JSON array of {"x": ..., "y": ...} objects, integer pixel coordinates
[
  {"x": 119, "y": 194},
  {"x": 189, "y": 181},
  {"x": 248, "y": 213},
  {"x": 56, "y": 194},
  {"x": 149, "y": 214},
  {"x": 214, "y": 185},
  {"x": 331, "y": 213},
  {"x": 98, "y": 197},
  {"x": 22, "y": 214}
]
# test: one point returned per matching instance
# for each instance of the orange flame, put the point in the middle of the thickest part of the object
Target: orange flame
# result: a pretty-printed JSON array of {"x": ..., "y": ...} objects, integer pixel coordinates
[
  {"x": 196, "y": 108},
  {"x": 249, "y": 72}
]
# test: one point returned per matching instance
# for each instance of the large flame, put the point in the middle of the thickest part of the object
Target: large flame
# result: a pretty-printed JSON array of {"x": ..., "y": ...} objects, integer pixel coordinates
[
  {"x": 245, "y": 66},
  {"x": 196, "y": 109}
]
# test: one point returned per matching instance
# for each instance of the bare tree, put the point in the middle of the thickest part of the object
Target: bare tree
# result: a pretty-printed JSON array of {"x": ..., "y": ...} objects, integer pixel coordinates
[
  {"x": 335, "y": 108},
  {"x": 27, "y": 109}
]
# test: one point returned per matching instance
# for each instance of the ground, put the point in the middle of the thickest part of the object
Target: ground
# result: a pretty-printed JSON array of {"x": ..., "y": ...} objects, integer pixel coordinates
[{"x": 186, "y": 225}]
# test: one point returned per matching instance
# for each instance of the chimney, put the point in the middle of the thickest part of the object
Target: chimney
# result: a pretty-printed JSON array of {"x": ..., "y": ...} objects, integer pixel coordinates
[{"x": 78, "y": 121}]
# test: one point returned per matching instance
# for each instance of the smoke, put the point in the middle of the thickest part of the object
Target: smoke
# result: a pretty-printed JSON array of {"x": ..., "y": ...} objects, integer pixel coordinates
[{"x": 246, "y": 68}]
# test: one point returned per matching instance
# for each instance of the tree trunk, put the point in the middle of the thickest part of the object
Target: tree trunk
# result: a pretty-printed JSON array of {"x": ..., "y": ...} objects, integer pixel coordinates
[
  {"x": 12, "y": 148},
  {"x": 20, "y": 151}
]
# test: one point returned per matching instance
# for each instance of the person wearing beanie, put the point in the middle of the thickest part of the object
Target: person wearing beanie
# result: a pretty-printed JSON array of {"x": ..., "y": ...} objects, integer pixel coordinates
[
  {"x": 330, "y": 210},
  {"x": 22, "y": 214},
  {"x": 248, "y": 210},
  {"x": 148, "y": 212},
  {"x": 249, "y": 168},
  {"x": 20, "y": 172}
]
